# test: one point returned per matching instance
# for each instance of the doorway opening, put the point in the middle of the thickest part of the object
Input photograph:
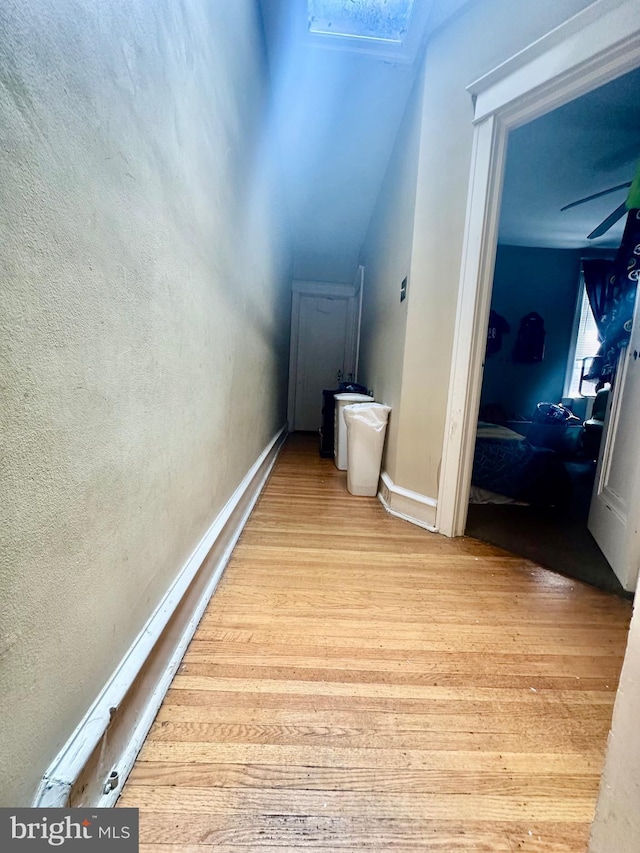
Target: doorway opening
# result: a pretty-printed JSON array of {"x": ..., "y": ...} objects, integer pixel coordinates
[
  {"x": 592, "y": 49},
  {"x": 541, "y": 416},
  {"x": 324, "y": 351}
]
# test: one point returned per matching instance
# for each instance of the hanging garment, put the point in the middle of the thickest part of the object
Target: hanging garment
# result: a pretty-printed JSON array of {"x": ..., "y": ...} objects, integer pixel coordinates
[
  {"x": 498, "y": 327},
  {"x": 529, "y": 346}
]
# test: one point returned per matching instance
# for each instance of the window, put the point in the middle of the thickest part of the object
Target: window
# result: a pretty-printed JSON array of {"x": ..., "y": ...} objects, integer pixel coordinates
[
  {"x": 585, "y": 345},
  {"x": 383, "y": 20}
]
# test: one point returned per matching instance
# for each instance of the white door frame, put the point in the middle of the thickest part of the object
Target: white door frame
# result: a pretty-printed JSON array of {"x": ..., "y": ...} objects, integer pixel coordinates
[
  {"x": 358, "y": 285},
  {"x": 328, "y": 291},
  {"x": 591, "y": 49}
]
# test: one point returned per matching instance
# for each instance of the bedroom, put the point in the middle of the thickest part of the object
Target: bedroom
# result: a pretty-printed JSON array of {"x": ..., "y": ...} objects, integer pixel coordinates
[{"x": 585, "y": 147}]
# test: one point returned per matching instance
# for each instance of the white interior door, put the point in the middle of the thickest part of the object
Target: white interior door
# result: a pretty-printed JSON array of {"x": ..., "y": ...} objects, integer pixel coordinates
[
  {"x": 323, "y": 339},
  {"x": 614, "y": 517}
]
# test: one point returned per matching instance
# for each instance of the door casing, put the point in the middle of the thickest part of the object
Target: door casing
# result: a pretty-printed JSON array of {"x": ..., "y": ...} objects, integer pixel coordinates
[
  {"x": 594, "y": 47},
  {"x": 300, "y": 290}
]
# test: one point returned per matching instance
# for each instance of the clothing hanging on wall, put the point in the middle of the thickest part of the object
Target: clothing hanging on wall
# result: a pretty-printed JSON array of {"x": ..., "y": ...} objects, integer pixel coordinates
[
  {"x": 498, "y": 327},
  {"x": 529, "y": 346}
]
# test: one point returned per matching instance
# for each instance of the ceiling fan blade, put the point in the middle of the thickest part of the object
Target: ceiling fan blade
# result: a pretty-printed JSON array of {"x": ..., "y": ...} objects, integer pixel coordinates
[
  {"x": 596, "y": 195},
  {"x": 611, "y": 220}
]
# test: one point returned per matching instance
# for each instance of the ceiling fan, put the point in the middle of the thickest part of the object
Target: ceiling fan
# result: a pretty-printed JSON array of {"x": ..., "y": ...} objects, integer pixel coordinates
[
  {"x": 632, "y": 201},
  {"x": 611, "y": 220}
]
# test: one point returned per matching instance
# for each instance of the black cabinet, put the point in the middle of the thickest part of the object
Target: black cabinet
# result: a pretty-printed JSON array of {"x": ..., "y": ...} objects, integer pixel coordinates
[{"x": 327, "y": 425}]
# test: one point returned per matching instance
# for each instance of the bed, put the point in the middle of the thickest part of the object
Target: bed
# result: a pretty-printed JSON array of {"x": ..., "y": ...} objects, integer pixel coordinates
[{"x": 508, "y": 469}]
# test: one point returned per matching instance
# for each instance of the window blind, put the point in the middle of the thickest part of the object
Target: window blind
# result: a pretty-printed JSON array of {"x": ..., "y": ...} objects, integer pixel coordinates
[{"x": 587, "y": 345}]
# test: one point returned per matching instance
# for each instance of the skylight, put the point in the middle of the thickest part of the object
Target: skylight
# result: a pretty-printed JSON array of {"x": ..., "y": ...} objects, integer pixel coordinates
[{"x": 383, "y": 20}]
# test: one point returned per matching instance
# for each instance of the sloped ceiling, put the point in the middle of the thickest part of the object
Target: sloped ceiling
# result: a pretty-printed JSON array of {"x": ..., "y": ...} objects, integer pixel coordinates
[{"x": 336, "y": 115}]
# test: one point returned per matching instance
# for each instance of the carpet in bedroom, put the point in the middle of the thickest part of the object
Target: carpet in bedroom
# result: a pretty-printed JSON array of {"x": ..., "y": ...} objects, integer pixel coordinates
[{"x": 557, "y": 539}]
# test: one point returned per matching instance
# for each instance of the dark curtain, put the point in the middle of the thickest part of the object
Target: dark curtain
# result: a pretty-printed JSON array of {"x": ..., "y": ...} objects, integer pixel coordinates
[
  {"x": 598, "y": 281},
  {"x": 612, "y": 295}
]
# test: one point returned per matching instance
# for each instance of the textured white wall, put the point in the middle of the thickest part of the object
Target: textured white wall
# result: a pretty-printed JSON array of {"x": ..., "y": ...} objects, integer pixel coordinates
[{"x": 144, "y": 328}]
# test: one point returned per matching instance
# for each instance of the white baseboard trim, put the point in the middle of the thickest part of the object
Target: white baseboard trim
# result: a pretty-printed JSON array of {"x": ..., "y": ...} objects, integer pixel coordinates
[
  {"x": 410, "y": 506},
  {"x": 113, "y": 730}
]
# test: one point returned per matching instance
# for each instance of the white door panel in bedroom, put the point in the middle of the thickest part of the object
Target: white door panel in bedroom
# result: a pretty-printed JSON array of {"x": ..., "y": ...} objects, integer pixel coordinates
[
  {"x": 614, "y": 517},
  {"x": 323, "y": 337}
]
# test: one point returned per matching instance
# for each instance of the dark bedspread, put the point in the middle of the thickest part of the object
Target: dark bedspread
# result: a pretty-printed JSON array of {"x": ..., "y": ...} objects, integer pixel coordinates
[{"x": 521, "y": 471}]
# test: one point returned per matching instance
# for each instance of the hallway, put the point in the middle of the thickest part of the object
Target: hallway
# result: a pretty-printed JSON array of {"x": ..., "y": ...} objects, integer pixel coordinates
[{"x": 359, "y": 682}]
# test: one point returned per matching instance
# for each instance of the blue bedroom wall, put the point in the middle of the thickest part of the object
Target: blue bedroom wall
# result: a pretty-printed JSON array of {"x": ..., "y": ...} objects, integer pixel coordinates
[{"x": 529, "y": 279}]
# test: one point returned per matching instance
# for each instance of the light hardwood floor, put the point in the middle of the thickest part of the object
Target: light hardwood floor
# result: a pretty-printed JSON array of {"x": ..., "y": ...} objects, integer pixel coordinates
[{"x": 357, "y": 682}]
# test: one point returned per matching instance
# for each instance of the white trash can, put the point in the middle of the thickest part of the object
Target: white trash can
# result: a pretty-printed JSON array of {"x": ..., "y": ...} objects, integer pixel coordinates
[
  {"x": 366, "y": 429},
  {"x": 340, "y": 428}
]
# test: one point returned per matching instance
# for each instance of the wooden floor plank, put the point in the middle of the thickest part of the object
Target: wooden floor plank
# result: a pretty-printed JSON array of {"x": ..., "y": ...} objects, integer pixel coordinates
[
  {"x": 557, "y": 718},
  {"x": 573, "y": 760},
  {"x": 357, "y": 682},
  {"x": 407, "y": 806},
  {"x": 399, "y": 780},
  {"x": 338, "y": 833}
]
